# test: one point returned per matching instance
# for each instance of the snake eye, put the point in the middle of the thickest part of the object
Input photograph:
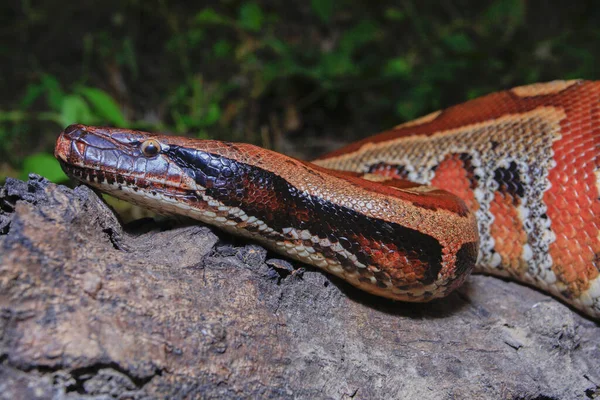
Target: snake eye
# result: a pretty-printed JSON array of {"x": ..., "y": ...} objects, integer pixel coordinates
[{"x": 150, "y": 147}]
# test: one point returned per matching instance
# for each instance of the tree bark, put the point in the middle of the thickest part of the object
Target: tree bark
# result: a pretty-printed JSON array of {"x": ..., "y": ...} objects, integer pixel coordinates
[{"x": 91, "y": 309}]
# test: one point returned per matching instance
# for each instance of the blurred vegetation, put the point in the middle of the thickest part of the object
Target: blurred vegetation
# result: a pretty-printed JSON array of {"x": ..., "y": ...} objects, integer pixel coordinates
[{"x": 300, "y": 77}]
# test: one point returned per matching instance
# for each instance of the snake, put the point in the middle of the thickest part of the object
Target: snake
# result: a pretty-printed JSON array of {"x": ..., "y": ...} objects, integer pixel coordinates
[{"x": 507, "y": 184}]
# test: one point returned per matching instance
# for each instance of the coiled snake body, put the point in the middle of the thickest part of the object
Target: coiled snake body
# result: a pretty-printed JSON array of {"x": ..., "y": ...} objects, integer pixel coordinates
[{"x": 514, "y": 175}]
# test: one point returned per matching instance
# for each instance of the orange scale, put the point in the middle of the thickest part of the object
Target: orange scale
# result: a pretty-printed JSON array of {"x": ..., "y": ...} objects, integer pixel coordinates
[
  {"x": 450, "y": 175},
  {"x": 560, "y": 202},
  {"x": 569, "y": 231},
  {"x": 590, "y": 231},
  {"x": 573, "y": 214},
  {"x": 508, "y": 233}
]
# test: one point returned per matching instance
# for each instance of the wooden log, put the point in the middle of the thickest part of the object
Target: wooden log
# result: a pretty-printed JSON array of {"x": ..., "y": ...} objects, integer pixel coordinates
[{"x": 90, "y": 308}]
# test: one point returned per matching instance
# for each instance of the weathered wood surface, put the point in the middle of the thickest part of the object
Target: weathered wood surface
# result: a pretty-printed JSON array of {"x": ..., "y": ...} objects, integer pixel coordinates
[{"x": 90, "y": 310}]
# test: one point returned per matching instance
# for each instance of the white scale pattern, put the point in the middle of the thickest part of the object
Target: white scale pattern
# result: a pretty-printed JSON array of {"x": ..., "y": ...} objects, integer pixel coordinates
[{"x": 415, "y": 154}]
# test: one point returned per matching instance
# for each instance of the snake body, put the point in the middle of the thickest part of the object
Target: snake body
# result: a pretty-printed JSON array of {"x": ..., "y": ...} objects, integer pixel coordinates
[{"x": 507, "y": 183}]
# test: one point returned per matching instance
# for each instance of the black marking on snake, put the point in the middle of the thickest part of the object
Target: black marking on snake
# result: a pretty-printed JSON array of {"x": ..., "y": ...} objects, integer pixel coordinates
[
  {"x": 399, "y": 170},
  {"x": 100, "y": 176},
  {"x": 464, "y": 258},
  {"x": 467, "y": 161},
  {"x": 509, "y": 180},
  {"x": 110, "y": 178},
  {"x": 263, "y": 194}
]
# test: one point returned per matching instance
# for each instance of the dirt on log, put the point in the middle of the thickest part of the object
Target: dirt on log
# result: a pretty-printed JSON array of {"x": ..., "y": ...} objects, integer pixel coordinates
[{"x": 91, "y": 309}]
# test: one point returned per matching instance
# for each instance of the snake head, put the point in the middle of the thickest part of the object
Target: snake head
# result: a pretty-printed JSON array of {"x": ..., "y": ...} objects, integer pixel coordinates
[
  {"x": 167, "y": 174},
  {"x": 128, "y": 164}
]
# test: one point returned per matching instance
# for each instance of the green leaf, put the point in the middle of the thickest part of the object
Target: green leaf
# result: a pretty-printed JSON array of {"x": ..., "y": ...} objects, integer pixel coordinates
[
  {"x": 32, "y": 92},
  {"x": 210, "y": 16},
  {"x": 222, "y": 48},
  {"x": 3, "y": 136},
  {"x": 202, "y": 134},
  {"x": 75, "y": 110},
  {"x": 128, "y": 56},
  {"x": 12, "y": 116},
  {"x": 334, "y": 65},
  {"x": 395, "y": 14},
  {"x": 398, "y": 67},
  {"x": 507, "y": 14},
  {"x": 195, "y": 37},
  {"x": 279, "y": 46},
  {"x": 459, "y": 42},
  {"x": 43, "y": 164},
  {"x": 213, "y": 113},
  {"x": 511, "y": 9},
  {"x": 359, "y": 35},
  {"x": 104, "y": 105},
  {"x": 54, "y": 92},
  {"x": 251, "y": 17},
  {"x": 406, "y": 110},
  {"x": 323, "y": 9}
]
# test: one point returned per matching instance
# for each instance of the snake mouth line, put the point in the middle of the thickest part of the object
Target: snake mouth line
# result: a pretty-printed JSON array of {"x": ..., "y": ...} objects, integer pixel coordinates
[{"x": 100, "y": 178}]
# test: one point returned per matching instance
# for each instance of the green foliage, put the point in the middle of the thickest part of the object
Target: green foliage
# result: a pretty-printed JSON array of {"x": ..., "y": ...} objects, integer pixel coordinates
[
  {"x": 74, "y": 109},
  {"x": 237, "y": 69},
  {"x": 195, "y": 107},
  {"x": 43, "y": 164},
  {"x": 505, "y": 12},
  {"x": 398, "y": 67},
  {"x": 222, "y": 48},
  {"x": 103, "y": 105},
  {"x": 84, "y": 104},
  {"x": 459, "y": 43},
  {"x": 251, "y": 17},
  {"x": 209, "y": 16},
  {"x": 395, "y": 14},
  {"x": 323, "y": 9}
]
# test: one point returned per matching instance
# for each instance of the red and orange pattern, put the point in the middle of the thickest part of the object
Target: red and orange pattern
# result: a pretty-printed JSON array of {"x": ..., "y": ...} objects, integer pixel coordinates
[{"x": 527, "y": 162}]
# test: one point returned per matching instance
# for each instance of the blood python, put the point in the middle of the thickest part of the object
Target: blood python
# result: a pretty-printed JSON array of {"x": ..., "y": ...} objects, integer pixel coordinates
[{"x": 514, "y": 175}]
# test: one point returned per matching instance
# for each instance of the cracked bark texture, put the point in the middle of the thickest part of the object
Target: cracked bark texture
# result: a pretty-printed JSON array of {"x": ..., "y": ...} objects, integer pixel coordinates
[{"x": 92, "y": 310}]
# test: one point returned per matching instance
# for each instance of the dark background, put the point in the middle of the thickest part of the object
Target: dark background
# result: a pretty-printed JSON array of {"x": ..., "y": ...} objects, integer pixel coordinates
[{"x": 300, "y": 77}]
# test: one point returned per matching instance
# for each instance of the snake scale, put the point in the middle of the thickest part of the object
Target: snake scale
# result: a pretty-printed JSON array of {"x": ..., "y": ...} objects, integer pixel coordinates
[{"x": 507, "y": 184}]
